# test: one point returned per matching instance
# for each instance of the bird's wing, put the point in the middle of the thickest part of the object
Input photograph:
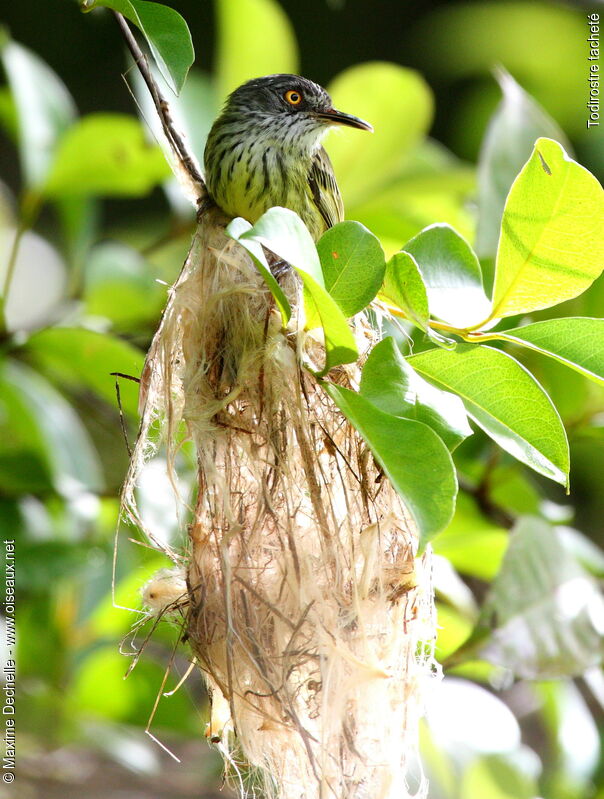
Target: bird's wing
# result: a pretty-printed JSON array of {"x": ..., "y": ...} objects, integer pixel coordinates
[{"x": 325, "y": 192}]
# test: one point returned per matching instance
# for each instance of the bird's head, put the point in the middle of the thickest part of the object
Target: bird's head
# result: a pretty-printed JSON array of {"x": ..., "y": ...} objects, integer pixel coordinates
[{"x": 290, "y": 97}]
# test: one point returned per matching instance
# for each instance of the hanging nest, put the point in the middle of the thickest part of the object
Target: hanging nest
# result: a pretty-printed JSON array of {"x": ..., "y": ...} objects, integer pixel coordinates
[{"x": 308, "y": 612}]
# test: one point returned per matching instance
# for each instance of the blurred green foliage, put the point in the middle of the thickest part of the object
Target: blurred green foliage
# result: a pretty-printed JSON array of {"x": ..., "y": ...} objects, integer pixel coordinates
[{"x": 86, "y": 296}]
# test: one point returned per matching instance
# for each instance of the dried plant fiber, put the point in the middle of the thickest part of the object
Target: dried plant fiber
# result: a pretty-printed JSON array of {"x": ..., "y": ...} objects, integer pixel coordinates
[{"x": 309, "y": 613}]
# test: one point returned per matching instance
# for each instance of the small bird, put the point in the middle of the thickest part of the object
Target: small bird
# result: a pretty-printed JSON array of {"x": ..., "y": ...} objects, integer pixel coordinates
[{"x": 265, "y": 150}]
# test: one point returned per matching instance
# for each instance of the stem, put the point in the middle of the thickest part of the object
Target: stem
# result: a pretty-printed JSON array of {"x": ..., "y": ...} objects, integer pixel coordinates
[
  {"x": 12, "y": 260},
  {"x": 179, "y": 149}
]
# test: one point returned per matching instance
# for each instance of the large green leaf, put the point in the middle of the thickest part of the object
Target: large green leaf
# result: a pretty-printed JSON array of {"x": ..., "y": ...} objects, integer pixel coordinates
[
  {"x": 254, "y": 38},
  {"x": 543, "y": 616},
  {"x": 505, "y": 400},
  {"x": 398, "y": 103},
  {"x": 45, "y": 109},
  {"x": 235, "y": 229},
  {"x": 81, "y": 358},
  {"x": 353, "y": 265},
  {"x": 25, "y": 467},
  {"x": 404, "y": 287},
  {"x": 516, "y": 124},
  {"x": 106, "y": 155},
  {"x": 57, "y": 430},
  {"x": 283, "y": 232},
  {"x": 552, "y": 234},
  {"x": 451, "y": 274},
  {"x": 414, "y": 458},
  {"x": 389, "y": 382},
  {"x": 577, "y": 342},
  {"x": 165, "y": 31}
]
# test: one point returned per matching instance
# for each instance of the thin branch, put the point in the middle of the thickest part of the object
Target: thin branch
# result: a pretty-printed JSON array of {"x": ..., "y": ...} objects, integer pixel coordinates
[{"x": 179, "y": 148}]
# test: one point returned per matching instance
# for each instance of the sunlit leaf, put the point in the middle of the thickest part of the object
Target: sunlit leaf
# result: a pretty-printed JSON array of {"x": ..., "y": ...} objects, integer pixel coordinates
[
  {"x": 353, "y": 265},
  {"x": 105, "y": 155},
  {"x": 474, "y": 544},
  {"x": 505, "y": 400},
  {"x": 543, "y": 616},
  {"x": 515, "y": 126},
  {"x": 404, "y": 287},
  {"x": 451, "y": 274},
  {"x": 453, "y": 629},
  {"x": 577, "y": 342},
  {"x": 398, "y": 103},
  {"x": 235, "y": 229},
  {"x": 496, "y": 777},
  {"x": 45, "y": 109},
  {"x": 165, "y": 31},
  {"x": 283, "y": 232},
  {"x": 552, "y": 234},
  {"x": 254, "y": 38},
  {"x": 390, "y": 383},
  {"x": 414, "y": 458}
]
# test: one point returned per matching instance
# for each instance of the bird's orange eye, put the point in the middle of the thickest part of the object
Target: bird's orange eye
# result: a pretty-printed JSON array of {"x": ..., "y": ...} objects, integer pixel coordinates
[{"x": 293, "y": 97}]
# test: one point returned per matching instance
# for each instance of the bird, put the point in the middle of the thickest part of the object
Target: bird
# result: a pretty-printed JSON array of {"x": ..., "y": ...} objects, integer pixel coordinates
[{"x": 265, "y": 150}]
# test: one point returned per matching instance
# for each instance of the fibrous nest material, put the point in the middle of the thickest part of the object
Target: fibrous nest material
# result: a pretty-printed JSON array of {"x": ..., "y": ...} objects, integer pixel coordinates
[{"x": 309, "y": 613}]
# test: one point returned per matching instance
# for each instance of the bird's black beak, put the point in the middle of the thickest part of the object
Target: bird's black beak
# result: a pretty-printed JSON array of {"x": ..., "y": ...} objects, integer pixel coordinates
[{"x": 333, "y": 117}]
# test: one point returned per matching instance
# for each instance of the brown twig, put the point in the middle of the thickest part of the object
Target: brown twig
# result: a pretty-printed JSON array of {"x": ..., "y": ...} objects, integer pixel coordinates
[{"x": 179, "y": 148}]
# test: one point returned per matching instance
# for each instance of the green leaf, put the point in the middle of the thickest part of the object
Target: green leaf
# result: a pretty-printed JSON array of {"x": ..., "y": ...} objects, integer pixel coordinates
[
  {"x": 398, "y": 103},
  {"x": 74, "y": 468},
  {"x": 106, "y": 155},
  {"x": 254, "y": 38},
  {"x": 517, "y": 123},
  {"x": 497, "y": 776},
  {"x": 80, "y": 358},
  {"x": 415, "y": 460},
  {"x": 235, "y": 229},
  {"x": 390, "y": 383},
  {"x": 283, "y": 232},
  {"x": 24, "y": 462},
  {"x": 552, "y": 234},
  {"x": 353, "y": 265},
  {"x": 45, "y": 109},
  {"x": 505, "y": 400},
  {"x": 473, "y": 544},
  {"x": 451, "y": 274},
  {"x": 404, "y": 287},
  {"x": 9, "y": 119},
  {"x": 166, "y": 32},
  {"x": 577, "y": 342},
  {"x": 542, "y": 614}
]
